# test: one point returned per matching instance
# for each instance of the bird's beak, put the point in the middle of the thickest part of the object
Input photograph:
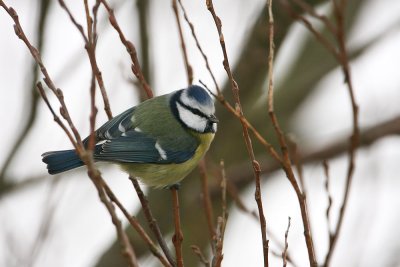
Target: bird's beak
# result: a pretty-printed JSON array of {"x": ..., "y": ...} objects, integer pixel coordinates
[{"x": 213, "y": 118}]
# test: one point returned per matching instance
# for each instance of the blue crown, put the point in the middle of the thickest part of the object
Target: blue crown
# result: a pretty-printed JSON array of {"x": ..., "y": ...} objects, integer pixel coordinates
[{"x": 200, "y": 94}]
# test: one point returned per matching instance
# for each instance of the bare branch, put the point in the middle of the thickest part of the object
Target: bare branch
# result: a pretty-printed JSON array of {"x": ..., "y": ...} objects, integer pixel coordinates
[
  {"x": 130, "y": 48},
  {"x": 339, "y": 11},
  {"x": 324, "y": 41},
  {"x": 136, "y": 225},
  {"x": 152, "y": 221},
  {"x": 328, "y": 193},
  {"x": 284, "y": 253},
  {"x": 205, "y": 195},
  {"x": 86, "y": 157},
  {"x": 286, "y": 162},
  {"x": 188, "y": 67},
  {"x": 220, "y": 234},
  {"x": 177, "y": 239},
  {"x": 90, "y": 45},
  {"x": 199, "y": 47},
  {"x": 245, "y": 129},
  {"x": 202, "y": 258},
  {"x": 32, "y": 97}
]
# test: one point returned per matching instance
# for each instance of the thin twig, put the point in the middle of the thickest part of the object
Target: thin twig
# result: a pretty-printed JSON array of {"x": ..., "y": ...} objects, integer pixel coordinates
[
  {"x": 286, "y": 164},
  {"x": 234, "y": 194},
  {"x": 90, "y": 40},
  {"x": 339, "y": 11},
  {"x": 94, "y": 174},
  {"x": 328, "y": 193},
  {"x": 177, "y": 239},
  {"x": 32, "y": 98},
  {"x": 323, "y": 40},
  {"x": 218, "y": 257},
  {"x": 199, "y": 47},
  {"x": 207, "y": 203},
  {"x": 136, "y": 225},
  {"x": 188, "y": 67},
  {"x": 73, "y": 20},
  {"x": 143, "y": 18},
  {"x": 152, "y": 221},
  {"x": 224, "y": 182},
  {"x": 46, "y": 225},
  {"x": 87, "y": 158},
  {"x": 127, "y": 251},
  {"x": 130, "y": 48},
  {"x": 49, "y": 82},
  {"x": 311, "y": 11},
  {"x": 269, "y": 148},
  {"x": 55, "y": 117},
  {"x": 247, "y": 139},
  {"x": 202, "y": 258},
  {"x": 220, "y": 96},
  {"x": 96, "y": 178},
  {"x": 297, "y": 162},
  {"x": 279, "y": 255},
  {"x": 284, "y": 253},
  {"x": 239, "y": 174}
]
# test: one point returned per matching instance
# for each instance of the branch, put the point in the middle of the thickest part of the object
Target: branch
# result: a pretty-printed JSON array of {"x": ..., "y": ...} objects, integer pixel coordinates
[
  {"x": 188, "y": 67},
  {"x": 90, "y": 45},
  {"x": 284, "y": 253},
  {"x": 130, "y": 48},
  {"x": 328, "y": 193},
  {"x": 85, "y": 156},
  {"x": 199, "y": 47},
  {"x": 37, "y": 57},
  {"x": 178, "y": 236},
  {"x": 32, "y": 97},
  {"x": 220, "y": 233},
  {"x": 143, "y": 15},
  {"x": 246, "y": 136},
  {"x": 94, "y": 174},
  {"x": 205, "y": 195},
  {"x": 202, "y": 258},
  {"x": 339, "y": 11},
  {"x": 152, "y": 221},
  {"x": 136, "y": 225},
  {"x": 239, "y": 174},
  {"x": 286, "y": 162}
]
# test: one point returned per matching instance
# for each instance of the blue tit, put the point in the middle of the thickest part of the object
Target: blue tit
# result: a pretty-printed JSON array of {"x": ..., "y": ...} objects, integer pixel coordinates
[{"x": 160, "y": 140}]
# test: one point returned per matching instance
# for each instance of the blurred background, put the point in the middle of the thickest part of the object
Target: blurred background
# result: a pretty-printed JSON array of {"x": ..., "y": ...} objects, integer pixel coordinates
[{"x": 59, "y": 221}]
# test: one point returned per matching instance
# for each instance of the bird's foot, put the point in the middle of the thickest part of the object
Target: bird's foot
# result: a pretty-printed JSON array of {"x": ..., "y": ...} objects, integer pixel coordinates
[{"x": 174, "y": 186}]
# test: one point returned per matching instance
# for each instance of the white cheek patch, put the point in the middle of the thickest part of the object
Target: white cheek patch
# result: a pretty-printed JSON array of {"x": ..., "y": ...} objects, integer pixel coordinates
[
  {"x": 190, "y": 102},
  {"x": 192, "y": 120}
]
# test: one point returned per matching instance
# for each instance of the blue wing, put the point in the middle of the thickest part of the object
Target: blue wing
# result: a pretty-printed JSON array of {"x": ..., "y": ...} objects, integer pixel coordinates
[
  {"x": 137, "y": 147},
  {"x": 124, "y": 144}
]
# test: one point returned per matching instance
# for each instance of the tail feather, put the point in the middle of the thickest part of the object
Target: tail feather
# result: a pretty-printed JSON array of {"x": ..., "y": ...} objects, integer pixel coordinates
[{"x": 61, "y": 161}]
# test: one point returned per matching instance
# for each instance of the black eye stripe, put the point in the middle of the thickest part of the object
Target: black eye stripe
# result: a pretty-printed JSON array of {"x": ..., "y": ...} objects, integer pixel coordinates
[{"x": 193, "y": 110}]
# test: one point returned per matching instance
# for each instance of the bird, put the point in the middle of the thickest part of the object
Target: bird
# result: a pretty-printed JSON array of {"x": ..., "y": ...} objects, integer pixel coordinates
[{"x": 160, "y": 141}]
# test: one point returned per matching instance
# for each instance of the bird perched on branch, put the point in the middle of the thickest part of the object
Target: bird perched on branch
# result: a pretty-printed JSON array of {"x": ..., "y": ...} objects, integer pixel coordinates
[{"x": 160, "y": 140}]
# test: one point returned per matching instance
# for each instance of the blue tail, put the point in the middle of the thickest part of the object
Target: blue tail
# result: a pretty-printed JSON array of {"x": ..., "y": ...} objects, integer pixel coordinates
[{"x": 61, "y": 161}]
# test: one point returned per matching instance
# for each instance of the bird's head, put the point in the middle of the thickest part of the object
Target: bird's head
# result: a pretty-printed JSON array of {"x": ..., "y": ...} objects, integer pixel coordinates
[{"x": 195, "y": 109}]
